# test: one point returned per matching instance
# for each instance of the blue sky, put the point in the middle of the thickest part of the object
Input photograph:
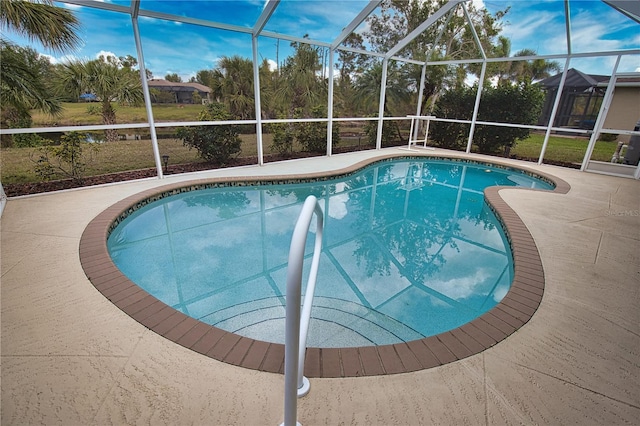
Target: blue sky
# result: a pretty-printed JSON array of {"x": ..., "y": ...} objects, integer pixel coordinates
[{"x": 184, "y": 49}]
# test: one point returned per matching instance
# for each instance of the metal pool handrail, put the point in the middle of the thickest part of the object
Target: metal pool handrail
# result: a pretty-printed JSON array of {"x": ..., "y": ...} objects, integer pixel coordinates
[{"x": 297, "y": 324}]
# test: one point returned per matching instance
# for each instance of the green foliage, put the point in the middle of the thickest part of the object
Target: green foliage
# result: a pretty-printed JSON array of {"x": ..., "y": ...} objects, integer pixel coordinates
[
  {"x": 235, "y": 86},
  {"x": 24, "y": 85},
  {"x": 282, "y": 137},
  {"x": 15, "y": 119},
  {"x": 455, "y": 103},
  {"x": 109, "y": 79},
  {"x": 607, "y": 137},
  {"x": 299, "y": 86},
  {"x": 390, "y": 133},
  {"x": 66, "y": 160},
  {"x": 94, "y": 110},
  {"x": 506, "y": 103},
  {"x": 173, "y": 77},
  {"x": 312, "y": 136},
  {"x": 196, "y": 97},
  {"x": 217, "y": 144}
]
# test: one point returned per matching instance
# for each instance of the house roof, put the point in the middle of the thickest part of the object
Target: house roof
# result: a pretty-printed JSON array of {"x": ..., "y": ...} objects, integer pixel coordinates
[
  {"x": 179, "y": 87},
  {"x": 623, "y": 82},
  {"x": 575, "y": 80}
]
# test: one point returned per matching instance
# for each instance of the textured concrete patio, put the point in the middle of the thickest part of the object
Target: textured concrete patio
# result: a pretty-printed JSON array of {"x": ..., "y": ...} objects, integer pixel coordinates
[{"x": 70, "y": 357}]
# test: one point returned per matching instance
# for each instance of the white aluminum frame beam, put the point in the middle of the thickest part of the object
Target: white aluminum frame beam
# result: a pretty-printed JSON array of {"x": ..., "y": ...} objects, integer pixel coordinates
[
  {"x": 268, "y": 10},
  {"x": 364, "y": 13},
  {"x": 422, "y": 27},
  {"x": 135, "y": 7}
]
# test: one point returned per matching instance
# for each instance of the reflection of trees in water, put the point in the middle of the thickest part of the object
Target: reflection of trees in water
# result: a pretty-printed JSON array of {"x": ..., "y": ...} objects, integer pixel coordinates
[
  {"x": 228, "y": 204},
  {"x": 416, "y": 233},
  {"x": 377, "y": 262},
  {"x": 301, "y": 193},
  {"x": 419, "y": 248}
]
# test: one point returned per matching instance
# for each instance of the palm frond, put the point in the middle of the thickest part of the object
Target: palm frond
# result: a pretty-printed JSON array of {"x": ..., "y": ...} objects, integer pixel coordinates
[{"x": 55, "y": 28}]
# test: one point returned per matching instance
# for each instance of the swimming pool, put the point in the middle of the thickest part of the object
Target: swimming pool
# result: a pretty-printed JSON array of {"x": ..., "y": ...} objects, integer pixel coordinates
[{"x": 410, "y": 250}]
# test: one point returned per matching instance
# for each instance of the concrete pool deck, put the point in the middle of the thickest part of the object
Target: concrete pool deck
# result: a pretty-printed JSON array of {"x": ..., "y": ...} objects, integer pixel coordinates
[{"x": 69, "y": 356}]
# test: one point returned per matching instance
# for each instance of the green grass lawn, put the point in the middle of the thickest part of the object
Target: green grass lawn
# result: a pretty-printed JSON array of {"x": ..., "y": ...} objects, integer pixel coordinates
[
  {"x": 17, "y": 165},
  {"x": 75, "y": 114},
  {"x": 563, "y": 149}
]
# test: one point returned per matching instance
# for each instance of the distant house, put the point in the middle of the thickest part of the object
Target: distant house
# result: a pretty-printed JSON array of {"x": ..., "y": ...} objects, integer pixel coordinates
[
  {"x": 179, "y": 93},
  {"x": 624, "y": 111},
  {"x": 582, "y": 98}
]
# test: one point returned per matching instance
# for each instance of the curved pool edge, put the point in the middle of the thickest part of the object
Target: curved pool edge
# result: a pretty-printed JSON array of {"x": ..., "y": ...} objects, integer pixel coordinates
[{"x": 513, "y": 312}]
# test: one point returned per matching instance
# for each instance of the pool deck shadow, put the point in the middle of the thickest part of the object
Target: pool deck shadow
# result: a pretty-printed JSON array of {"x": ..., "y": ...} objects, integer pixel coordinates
[{"x": 71, "y": 356}]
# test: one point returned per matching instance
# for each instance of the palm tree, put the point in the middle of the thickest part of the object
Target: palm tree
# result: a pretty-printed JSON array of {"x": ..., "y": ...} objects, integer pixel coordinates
[
  {"x": 22, "y": 83},
  {"x": 236, "y": 86},
  {"x": 300, "y": 86},
  {"x": 367, "y": 96},
  {"x": 367, "y": 88},
  {"x": 108, "y": 80},
  {"x": 55, "y": 28},
  {"x": 536, "y": 69}
]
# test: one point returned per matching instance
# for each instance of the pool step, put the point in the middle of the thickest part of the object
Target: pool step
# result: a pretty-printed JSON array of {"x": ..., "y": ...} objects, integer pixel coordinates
[{"x": 334, "y": 323}]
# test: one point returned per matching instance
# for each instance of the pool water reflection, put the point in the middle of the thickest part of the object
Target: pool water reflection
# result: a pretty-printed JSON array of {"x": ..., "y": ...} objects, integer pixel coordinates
[{"x": 410, "y": 250}]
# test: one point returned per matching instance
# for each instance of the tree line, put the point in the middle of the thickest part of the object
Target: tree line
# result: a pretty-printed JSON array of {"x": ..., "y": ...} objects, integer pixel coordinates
[{"x": 298, "y": 88}]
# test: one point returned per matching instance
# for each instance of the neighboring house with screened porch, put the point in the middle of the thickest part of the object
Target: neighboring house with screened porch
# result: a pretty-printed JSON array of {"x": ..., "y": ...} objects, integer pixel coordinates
[{"x": 163, "y": 91}]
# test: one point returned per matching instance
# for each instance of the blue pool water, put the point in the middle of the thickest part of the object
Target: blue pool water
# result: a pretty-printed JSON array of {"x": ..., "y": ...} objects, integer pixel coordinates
[{"x": 410, "y": 250}]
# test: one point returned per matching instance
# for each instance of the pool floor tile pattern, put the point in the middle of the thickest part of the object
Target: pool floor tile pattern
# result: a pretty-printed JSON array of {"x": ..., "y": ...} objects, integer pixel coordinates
[{"x": 516, "y": 308}]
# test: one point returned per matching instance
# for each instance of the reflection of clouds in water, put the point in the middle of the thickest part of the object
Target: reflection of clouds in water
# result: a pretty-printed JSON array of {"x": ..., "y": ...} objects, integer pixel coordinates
[
  {"x": 462, "y": 287},
  {"x": 500, "y": 292},
  {"x": 282, "y": 222},
  {"x": 338, "y": 206},
  {"x": 229, "y": 234},
  {"x": 276, "y": 199},
  {"x": 477, "y": 232}
]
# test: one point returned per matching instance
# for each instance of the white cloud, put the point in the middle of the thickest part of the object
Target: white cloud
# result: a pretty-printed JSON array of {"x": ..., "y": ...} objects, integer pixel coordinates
[
  {"x": 62, "y": 59},
  {"x": 106, "y": 54},
  {"x": 338, "y": 206},
  {"x": 478, "y": 4}
]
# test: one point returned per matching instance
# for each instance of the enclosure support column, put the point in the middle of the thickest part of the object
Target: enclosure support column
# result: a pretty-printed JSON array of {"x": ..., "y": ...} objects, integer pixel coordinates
[
  {"x": 267, "y": 11},
  {"x": 383, "y": 89},
  {"x": 330, "y": 106},
  {"x": 256, "y": 91},
  {"x": 476, "y": 107},
  {"x": 602, "y": 115},
  {"x": 554, "y": 111},
  {"x": 135, "y": 7},
  {"x": 419, "y": 106}
]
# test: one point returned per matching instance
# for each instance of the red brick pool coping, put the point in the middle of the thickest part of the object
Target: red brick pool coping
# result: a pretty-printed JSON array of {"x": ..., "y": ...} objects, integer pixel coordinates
[{"x": 514, "y": 311}]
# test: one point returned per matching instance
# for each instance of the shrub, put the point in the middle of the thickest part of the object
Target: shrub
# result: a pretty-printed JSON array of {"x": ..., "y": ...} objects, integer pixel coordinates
[
  {"x": 456, "y": 103},
  {"x": 216, "y": 144},
  {"x": 14, "y": 119},
  {"x": 64, "y": 160},
  {"x": 390, "y": 133},
  {"x": 507, "y": 103},
  {"x": 282, "y": 138},
  {"x": 313, "y": 136},
  {"x": 607, "y": 137}
]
